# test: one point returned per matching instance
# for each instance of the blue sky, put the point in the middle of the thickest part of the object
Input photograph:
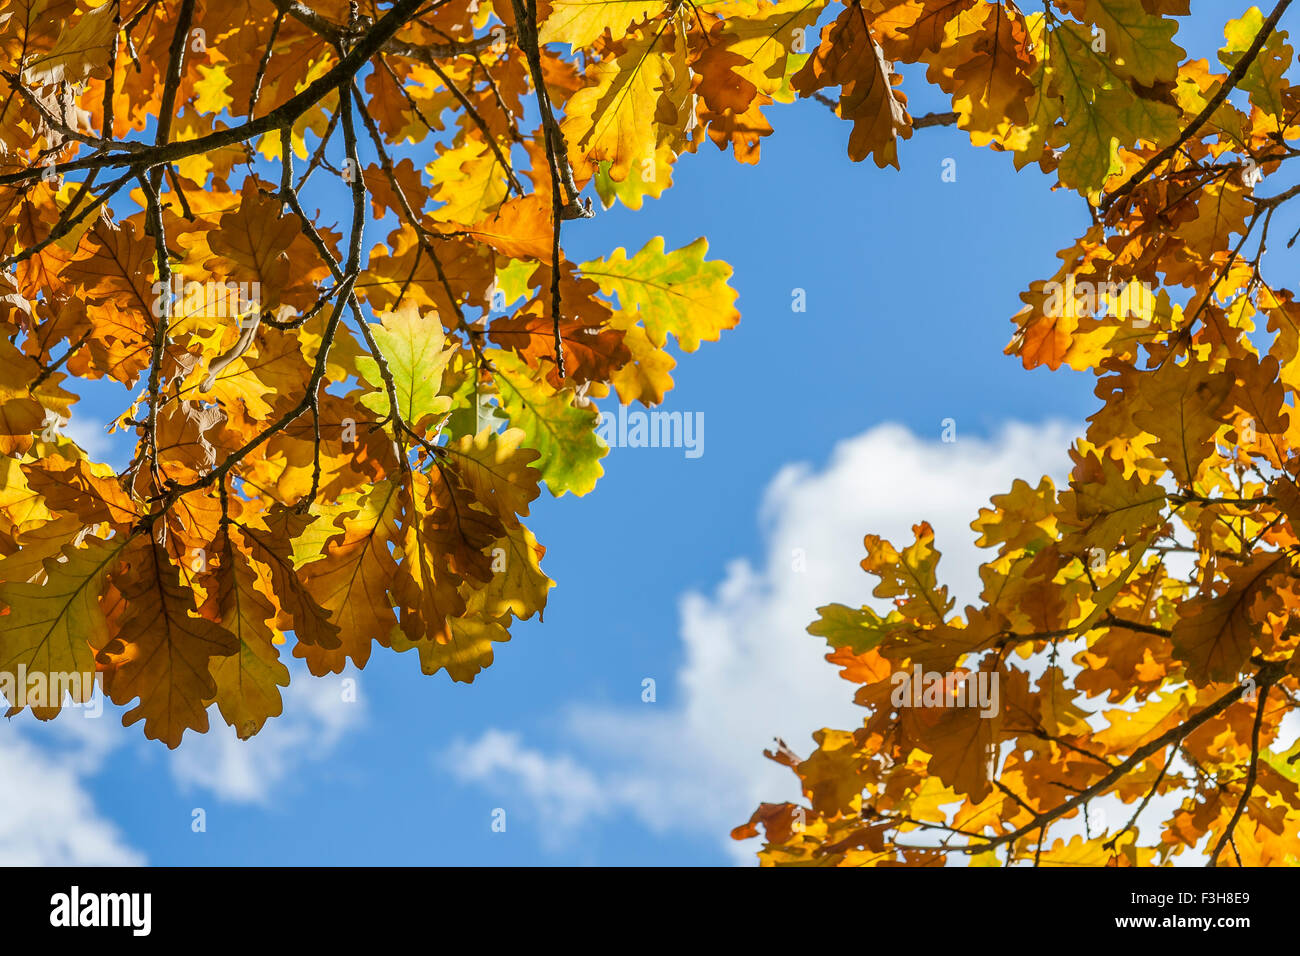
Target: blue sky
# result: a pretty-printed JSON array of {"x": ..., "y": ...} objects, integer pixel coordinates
[{"x": 821, "y": 426}]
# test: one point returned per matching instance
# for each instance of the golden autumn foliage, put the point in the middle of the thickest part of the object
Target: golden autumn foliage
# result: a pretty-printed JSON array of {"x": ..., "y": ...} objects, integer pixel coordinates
[
  {"x": 320, "y": 246},
  {"x": 1140, "y": 623}
]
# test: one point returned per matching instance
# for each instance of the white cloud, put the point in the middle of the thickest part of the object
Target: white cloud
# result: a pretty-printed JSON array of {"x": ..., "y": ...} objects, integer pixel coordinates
[
  {"x": 47, "y": 814},
  {"x": 751, "y": 672},
  {"x": 93, "y": 438},
  {"x": 559, "y": 790},
  {"x": 316, "y": 716}
]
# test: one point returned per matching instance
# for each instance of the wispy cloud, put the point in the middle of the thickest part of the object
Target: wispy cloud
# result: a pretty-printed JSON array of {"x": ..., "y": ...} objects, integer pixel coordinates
[
  {"x": 49, "y": 815},
  {"x": 317, "y": 713}
]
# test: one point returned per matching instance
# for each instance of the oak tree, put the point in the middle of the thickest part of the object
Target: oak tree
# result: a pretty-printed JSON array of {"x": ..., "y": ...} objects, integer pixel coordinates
[
  {"x": 1141, "y": 621},
  {"x": 320, "y": 245}
]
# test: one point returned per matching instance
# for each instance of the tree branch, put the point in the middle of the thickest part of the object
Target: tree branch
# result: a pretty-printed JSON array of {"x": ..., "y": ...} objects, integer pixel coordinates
[
  {"x": 1262, "y": 689},
  {"x": 1267, "y": 674},
  {"x": 285, "y": 114},
  {"x": 1233, "y": 78}
]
